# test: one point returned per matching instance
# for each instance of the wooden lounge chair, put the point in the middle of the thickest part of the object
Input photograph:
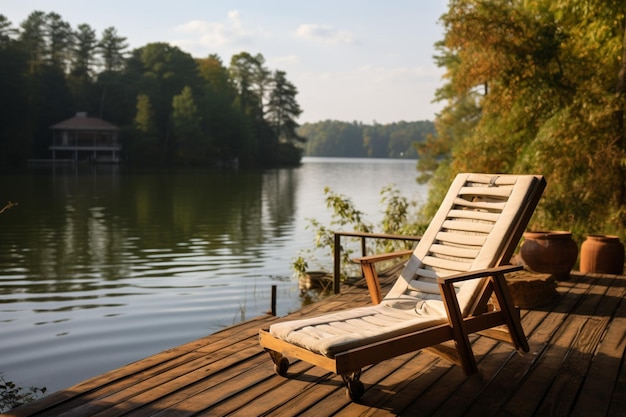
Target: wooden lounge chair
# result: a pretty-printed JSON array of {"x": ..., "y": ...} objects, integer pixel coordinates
[{"x": 443, "y": 294}]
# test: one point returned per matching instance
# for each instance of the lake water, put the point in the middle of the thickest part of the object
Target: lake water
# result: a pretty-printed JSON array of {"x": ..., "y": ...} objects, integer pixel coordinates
[{"x": 101, "y": 266}]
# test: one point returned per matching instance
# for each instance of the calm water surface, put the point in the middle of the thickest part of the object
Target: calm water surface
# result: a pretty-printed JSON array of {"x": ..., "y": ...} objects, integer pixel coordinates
[{"x": 100, "y": 266}]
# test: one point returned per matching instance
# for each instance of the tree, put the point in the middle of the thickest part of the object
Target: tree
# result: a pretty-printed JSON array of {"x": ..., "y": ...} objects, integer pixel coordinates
[
  {"x": 82, "y": 69},
  {"x": 282, "y": 109},
  {"x": 520, "y": 99},
  {"x": 142, "y": 147},
  {"x": 376, "y": 141},
  {"x": 250, "y": 77},
  {"x": 223, "y": 121},
  {"x": 85, "y": 46},
  {"x": 144, "y": 119},
  {"x": 45, "y": 40},
  {"x": 7, "y": 32},
  {"x": 60, "y": 40},
  {"x": 15, "y": 132},
  {"x": 168, "y": 104},
  {"x": 186, "y": 128},
  {"x": 33, "y": 39},
  {"x": 161, "y": 71},
  {"x": 112, "y": 49}
]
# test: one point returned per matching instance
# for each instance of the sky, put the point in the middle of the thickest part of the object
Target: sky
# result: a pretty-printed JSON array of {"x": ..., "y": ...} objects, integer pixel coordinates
[{"x": 369, "y": 61}]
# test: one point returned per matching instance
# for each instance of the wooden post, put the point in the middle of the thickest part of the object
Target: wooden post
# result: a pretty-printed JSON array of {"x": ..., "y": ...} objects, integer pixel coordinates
[
  {"x": 273, "y": 308},
  {"x": 337, "y": 264}
]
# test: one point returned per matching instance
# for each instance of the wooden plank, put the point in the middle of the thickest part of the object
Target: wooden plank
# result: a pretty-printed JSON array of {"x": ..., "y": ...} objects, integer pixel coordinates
[
  {"x": 550, "y": 345},
  {"x": 210, "y": 391},
  {"x": 490, "y": 365},
  {"x": 378, "y": 380},
  {"x": 530, "y": 374},
  {"x": 147, "y": 390},
  {"x": 603, "y": 374},
  {"x": 581, "y": 334},
  {"x": 433, "y": 398},
  {"x": 461, "y": 238},
  {"x": 475, "y": 215},
  {"x": 316, "y": 380},
  {"x": 414, "y": 387},
  {"x": 110, "y": 382},
  {"x": 132, "y": 376},
  {"x": 480, "y": 205},
  {"x": 325, "y": 396},
  {"x": 236, "y": 394},
  {"x": 454, "y": 251},
  {"x": 188, "y": 400},
  {"x": 467, "y": 226},
  {"x": 618, "y": 400},
  {"x": 561, "y": 396},
  {"x": 498, "y": 384}
]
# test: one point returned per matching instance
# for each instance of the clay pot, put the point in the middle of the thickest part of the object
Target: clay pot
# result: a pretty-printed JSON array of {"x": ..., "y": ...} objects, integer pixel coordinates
[
  {"x": 549, "y": 252},
  {"x": 602, "y": 254}
]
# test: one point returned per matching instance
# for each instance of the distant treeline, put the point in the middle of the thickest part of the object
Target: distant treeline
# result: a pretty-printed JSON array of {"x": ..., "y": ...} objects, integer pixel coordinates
[
  {"x": 343, "y": 139},
  {"x": 172, "y": 108}
]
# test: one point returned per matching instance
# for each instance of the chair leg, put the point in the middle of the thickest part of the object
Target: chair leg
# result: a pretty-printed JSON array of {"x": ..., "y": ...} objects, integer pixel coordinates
[
  {"x": 511, "y": 314},
  {"x": 461, "y": 339},
  {"x": 354, "y": 386},
  {"x": 281, "y": 364}
]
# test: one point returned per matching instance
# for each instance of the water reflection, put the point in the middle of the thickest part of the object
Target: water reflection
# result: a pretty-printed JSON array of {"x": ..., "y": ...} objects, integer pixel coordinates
[
  {"x": 101, "y": 266},
  {"x": 144, "y": 260},
  {"x": 76, "y": 228}
]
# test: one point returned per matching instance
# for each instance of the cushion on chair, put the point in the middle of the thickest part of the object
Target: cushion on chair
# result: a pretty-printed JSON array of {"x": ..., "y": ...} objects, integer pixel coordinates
[{"x": 337, "y": 332}]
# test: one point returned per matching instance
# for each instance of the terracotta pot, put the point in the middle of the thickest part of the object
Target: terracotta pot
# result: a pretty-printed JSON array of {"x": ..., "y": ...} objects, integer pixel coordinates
[
  {"x": 602, "y": 254},
  {"x": 549, "y": 252}
]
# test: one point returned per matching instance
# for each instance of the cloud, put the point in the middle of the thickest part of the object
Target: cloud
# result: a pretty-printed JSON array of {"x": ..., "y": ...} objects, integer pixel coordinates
[
  {"x": 324, "y": 33},
  {"x": 369, "y": 92},
  {"x": 204, "y": 34},
  {"x": 288, "y": 59}
]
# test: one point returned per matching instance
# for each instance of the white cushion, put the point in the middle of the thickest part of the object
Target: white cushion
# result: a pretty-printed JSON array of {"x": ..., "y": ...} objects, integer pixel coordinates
[{"x": 336, "y": 332}]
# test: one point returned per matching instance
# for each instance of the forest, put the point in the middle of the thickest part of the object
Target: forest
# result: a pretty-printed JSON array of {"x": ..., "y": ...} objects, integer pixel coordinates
[
  {"x": 536, "y": 86},
  {"x": 358, "y": 140},
  {"x": 172, "y": 108},
  {"x": 533, "y": 86}
]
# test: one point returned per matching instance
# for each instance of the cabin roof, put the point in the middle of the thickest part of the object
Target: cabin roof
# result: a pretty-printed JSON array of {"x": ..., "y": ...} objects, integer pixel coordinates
[{"x": 82, "y": 122}]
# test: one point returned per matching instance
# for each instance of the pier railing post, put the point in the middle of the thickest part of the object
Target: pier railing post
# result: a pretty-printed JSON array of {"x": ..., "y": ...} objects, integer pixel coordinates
[
  {"x": 363, "y": 236},
  {"x": 337, "y": 264},
  {"x": 273, "y": 306}
]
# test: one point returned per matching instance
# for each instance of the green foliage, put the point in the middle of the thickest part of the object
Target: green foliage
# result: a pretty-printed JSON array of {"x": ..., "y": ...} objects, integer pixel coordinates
[
  {"x": 343, "y": 139},
  {"x": 12, "y": 396},
  {"x": 520, "y": 99},
  {"x": 112, "y": 49},
  {"x": 283, "y": 109},
  {"x": 171, "y": 108},
  {"x": 343, "y": 215},
  {"x": 399, "y": 218},
  {"x": 186, "y": 129}
]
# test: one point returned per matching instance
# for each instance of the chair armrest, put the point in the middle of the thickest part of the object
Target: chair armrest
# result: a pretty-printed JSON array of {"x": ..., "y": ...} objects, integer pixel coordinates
[
  {"x": 379, "y": 235},
  {"x": 370, "y": 259},
  {"x": 479, "y": 274},
  {"x": 370, "y": 274}
]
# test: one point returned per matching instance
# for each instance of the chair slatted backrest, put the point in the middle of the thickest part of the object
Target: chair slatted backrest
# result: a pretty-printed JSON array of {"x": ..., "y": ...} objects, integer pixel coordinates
[{"x": 477, "y": 226}]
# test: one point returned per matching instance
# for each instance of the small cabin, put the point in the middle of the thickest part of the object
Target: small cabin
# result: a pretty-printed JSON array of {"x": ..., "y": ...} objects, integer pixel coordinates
[{"x": 84, "y": 138}]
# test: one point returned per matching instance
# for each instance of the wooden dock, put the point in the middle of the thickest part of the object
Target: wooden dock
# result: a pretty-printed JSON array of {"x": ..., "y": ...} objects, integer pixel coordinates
[{"x": 576, "y": 367}]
